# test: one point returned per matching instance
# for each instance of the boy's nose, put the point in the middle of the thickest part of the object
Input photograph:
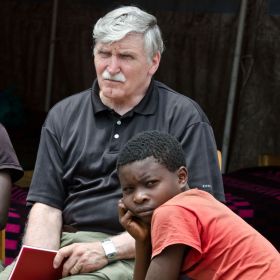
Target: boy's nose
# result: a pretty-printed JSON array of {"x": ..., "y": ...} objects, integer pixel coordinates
[{"x": 140, "y": 197}]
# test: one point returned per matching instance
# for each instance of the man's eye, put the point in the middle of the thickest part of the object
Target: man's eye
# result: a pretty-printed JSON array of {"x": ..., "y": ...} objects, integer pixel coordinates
[
  {"x": 126, "y": 56},
  {"x": 104, "y": 54}
]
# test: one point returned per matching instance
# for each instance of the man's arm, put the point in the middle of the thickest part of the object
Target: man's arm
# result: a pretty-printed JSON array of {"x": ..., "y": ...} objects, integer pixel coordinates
[
  {"x": 88, "y": 257},
  {"x": 199, "y": 145},
  {"x": 5, "y": 197},
  {"x": 125, "y": 245},
  {"x": 43, "y": 227}
]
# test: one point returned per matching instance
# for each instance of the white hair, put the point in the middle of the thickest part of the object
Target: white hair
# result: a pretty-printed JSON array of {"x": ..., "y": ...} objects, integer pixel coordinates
[{"x": 120, "y": 22}]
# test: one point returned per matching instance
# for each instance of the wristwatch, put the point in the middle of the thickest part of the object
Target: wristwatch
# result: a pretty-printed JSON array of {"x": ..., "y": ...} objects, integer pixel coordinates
[{"x": 109, "y": 249}]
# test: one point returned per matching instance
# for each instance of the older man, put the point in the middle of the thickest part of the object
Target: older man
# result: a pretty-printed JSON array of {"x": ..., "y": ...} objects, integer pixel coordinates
[{"x": 75, "y": 189}]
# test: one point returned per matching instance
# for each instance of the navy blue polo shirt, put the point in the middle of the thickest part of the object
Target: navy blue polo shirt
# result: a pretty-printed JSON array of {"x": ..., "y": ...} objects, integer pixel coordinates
[{"x": 80, "y": 140}]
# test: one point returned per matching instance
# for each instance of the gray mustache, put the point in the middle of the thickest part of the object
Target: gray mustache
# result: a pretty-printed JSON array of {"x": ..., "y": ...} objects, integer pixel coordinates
[{"x": 119, "y": 77}]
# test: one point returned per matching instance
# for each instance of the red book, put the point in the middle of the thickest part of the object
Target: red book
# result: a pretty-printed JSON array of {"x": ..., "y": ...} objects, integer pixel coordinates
[{"x": 35, "y": 263}]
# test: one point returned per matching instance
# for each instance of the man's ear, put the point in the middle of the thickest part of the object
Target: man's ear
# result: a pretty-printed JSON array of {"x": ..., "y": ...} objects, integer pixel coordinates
[
  {"x": 155, "y": 63},
  {"x": 182, "y": 175}
]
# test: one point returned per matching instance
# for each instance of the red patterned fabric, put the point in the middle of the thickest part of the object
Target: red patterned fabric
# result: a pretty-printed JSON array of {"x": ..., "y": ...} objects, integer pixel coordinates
[
  {"x": 260, "y": 186},
  {"x": 16, "y": 222}
]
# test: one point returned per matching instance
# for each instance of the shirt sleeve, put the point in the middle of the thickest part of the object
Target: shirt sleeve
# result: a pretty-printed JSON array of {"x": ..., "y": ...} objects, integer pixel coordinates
[
  {"x": 174, "y": 225},
  {"x": 8, "y": 158},
  {"x": 47, "y": 186},
  {"x": 201, "y": 157}
]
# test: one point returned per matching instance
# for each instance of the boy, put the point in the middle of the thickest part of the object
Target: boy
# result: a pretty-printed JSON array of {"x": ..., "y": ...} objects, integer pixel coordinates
[{"x": 182, "y": 232}]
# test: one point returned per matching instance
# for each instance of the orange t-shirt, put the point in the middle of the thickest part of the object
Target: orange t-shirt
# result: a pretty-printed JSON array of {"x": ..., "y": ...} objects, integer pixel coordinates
[{"x": 222, "y": 245}]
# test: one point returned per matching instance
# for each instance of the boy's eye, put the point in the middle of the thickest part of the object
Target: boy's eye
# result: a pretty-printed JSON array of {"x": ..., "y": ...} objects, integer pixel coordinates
[
  {"x": 127, "y": 190},
  {"x": 151, "y": 183}
]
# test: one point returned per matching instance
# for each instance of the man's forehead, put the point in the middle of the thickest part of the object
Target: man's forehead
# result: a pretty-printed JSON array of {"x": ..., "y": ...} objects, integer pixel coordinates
[{"x": 130, "y": 42}]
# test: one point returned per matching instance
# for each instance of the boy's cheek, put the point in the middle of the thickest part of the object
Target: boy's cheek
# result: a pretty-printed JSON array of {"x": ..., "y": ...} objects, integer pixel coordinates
[{"x": 126, "y": 201}]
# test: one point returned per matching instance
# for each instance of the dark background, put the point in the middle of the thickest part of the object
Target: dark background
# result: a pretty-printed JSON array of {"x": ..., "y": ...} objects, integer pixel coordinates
[{"x": 200, "y": 41}]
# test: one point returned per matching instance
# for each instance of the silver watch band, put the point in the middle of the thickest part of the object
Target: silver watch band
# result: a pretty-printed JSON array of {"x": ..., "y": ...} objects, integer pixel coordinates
[{"x": 109, "y": 249}]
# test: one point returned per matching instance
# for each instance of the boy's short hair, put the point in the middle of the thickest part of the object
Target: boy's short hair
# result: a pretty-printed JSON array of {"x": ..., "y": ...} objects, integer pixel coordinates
[{"x": 165, "y": 148}]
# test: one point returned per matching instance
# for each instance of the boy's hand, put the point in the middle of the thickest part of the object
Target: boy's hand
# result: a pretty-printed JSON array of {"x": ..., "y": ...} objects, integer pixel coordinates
[{"x": 139, "y": 230}]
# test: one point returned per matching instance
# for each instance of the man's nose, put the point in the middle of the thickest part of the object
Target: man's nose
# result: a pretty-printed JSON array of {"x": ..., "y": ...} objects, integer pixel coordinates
[{"x": 113, "y": 66}]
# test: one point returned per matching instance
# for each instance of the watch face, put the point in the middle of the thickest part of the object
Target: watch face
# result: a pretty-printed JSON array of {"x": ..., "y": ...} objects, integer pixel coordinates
[{"x": 111, "y": 255}]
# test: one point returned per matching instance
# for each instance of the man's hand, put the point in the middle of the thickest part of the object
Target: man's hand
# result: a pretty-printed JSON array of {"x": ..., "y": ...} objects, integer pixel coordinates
[
  {"x": 80, "y": 258},
  {"x": 139, "y": 230}
]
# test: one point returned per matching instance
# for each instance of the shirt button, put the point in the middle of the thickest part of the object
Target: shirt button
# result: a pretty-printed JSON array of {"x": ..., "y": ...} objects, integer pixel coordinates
[
  {"x": 119, "y": 122},
  {"x": 116, "y": 136}
]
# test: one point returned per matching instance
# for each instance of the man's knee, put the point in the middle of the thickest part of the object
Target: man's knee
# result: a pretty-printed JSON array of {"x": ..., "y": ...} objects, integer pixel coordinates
[
  {"x": 119, "y": 270},
  {"x": 5, "y": 273}
]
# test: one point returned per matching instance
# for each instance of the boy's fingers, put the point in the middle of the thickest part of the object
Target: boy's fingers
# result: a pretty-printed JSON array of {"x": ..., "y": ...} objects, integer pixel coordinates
[
  {"x": 121, "y": 209},
  {"x": 121, "y": 204}
]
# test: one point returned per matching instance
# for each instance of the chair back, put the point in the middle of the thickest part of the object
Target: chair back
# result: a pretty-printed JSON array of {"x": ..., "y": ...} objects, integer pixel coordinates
[
  {"x": 269, "y": 160},
  {"x": 220, "y": 159},
  {"x": 2, "y": 245}
]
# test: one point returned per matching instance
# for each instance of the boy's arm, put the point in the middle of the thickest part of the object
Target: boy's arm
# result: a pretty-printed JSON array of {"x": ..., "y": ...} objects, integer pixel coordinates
[
  {"x": 167, "y": 265},
  {"x": 5, "y": 197},
  {"x": 141, "y": 233},
  {"x": 142, "y": 259}
]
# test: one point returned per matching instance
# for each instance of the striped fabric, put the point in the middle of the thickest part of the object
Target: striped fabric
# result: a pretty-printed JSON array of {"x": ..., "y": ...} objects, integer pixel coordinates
[
  {"x": 240, "y": 206},
  {"x": 260, "y": 186},
  {"x": 16, "y": 221}
]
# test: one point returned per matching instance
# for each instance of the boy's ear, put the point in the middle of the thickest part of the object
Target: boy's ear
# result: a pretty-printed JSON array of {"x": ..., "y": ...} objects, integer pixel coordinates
[{"x": 183, "y": 175}]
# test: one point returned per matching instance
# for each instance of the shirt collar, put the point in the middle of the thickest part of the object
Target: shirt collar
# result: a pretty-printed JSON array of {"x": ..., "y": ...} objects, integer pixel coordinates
[{"x": 147, "y": 105}]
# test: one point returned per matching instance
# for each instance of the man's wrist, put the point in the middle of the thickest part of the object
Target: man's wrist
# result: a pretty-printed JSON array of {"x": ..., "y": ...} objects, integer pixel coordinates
[{"x": 109, "y": 249}]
